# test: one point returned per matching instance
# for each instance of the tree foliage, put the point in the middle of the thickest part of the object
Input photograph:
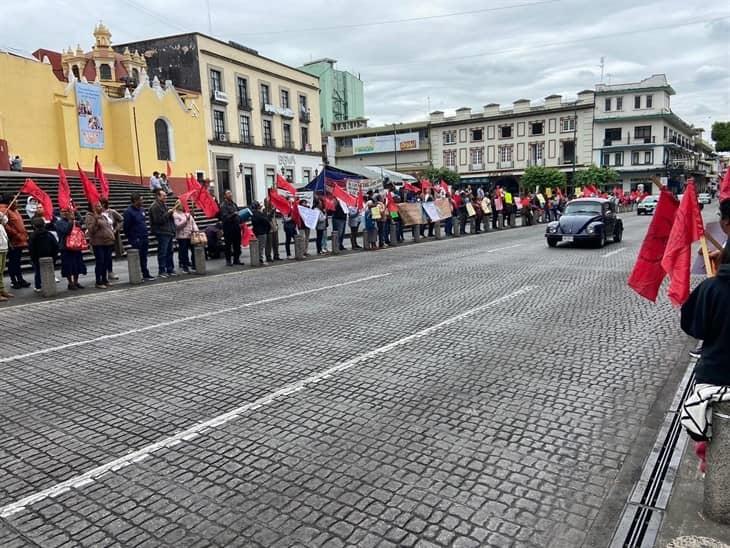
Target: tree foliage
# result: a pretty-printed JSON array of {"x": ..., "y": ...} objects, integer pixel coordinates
[
  {"x": 594, "y": 175},
  {"x": 721, "y": 136},
  {"x": 544, "y": 177},
  {"x": 435, "y": 175}
]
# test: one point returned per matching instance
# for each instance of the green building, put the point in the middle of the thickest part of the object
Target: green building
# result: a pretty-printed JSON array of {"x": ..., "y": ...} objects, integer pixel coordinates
[{"x": 341, "y": 93}]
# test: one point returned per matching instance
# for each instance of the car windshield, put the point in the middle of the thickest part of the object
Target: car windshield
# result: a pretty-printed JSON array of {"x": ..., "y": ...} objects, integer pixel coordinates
[
  {"x": 583, "y": 208},
  {"x": 650, "y": 199}
]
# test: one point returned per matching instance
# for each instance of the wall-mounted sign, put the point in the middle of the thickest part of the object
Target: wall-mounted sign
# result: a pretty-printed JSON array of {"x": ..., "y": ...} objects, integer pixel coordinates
[
  {"x": 400, "y": 142},
  {"x": 88, "y": 110}
]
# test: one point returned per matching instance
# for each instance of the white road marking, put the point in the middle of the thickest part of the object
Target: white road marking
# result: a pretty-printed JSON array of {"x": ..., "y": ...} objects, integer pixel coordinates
[
  {"x": 188, "y": 319},
  {"x": 611, "y": 253},
  {"x": 215, "y": 422},
  {"x": 503, "y": 248}
]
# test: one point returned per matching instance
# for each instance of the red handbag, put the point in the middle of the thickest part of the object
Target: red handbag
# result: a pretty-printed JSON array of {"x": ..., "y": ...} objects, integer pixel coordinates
[{"x": 76, "y": 239}]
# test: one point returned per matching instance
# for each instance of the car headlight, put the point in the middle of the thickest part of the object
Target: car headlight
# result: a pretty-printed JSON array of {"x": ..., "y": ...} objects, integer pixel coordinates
[
  {"x": 591, "y": 229},
  {"x": 553, "y": 227}
]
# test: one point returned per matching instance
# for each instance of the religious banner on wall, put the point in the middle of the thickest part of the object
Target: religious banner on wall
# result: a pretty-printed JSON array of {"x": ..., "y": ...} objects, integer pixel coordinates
[
  {"x": 410, "y": 214},
  {"x": 88, "y": 110},
  {"x": 444, "y": 207}
]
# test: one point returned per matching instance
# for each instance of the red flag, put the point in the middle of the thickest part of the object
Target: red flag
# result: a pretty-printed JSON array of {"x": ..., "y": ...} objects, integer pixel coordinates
[
  {"x": 688, "y": 227},
  {"x": 32, "y": 189},
  {"x": 205, "y": 201},
  {"x": 279, "y": 202},
  {"x": 99, "y": 174},
  {"x": 246, "y": 234},
  {"x": 191, "y": 183},
  {"x": 647, "y": 276},
  {"x": 390, "y": 203},
  {"x": 425, "y": 184},
  {"x": 559, "y": 192},
  {"x": 410, "y": 188},
  {"x": 185, "y": 198},
  {"x": 296, "y": 216},
  {"x": 283, "y": 184},
  {"x": 341, "y": 194},
  {"x": 360, "y": 200},
  {"x": 64, "y": 191},
  {"x": 168, "y": 170},
  {"x": 329, "y": 203},
  {"x": 444, "y": 186},
  {"x": 590, "y": 191},
  {"x": 92, "y": 195},
  {"x": 725, "y": 185}
]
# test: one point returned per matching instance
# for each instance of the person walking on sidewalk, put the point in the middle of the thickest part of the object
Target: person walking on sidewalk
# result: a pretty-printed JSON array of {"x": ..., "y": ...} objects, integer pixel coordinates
[
  {"x": 135, "y": 228},
  {"x": 185, "y": 225},
  {"x": 4, "y": 246},
  {"x": 163, "y": 227},
  {"x": 18, "y": 240},
  {"x": 72, "y": 260},
  {"x": 101, "y": 237},
  {"x": 231, "y": 229}
]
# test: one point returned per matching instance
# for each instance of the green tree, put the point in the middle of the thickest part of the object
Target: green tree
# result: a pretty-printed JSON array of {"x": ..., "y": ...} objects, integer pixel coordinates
[
  {"x": 435, "y": 175},
  {"x": 721, "y": 136},
  {"x": 594, "y": 175},
  {"x": 544, "y": 177}
]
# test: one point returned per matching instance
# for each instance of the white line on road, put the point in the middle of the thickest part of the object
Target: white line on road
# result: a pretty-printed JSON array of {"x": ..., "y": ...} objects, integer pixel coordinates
[
  {"x": 195, "y": 430},
  {"x": 503, "y": 248},
  {"x": 187, "y": 319},
  {"x": 611, "y": 253}
]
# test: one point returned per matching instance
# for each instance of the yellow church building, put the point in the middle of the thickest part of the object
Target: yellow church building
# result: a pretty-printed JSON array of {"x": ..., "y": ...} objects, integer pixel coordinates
[{"x": 71, "y": 106}]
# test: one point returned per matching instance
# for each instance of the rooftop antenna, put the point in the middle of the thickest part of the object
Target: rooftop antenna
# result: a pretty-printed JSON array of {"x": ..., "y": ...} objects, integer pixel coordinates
[
  {"x": 608, "y": 75},
  {"x": 602, "y": 65},
  {"x": 210, "y": 18}
]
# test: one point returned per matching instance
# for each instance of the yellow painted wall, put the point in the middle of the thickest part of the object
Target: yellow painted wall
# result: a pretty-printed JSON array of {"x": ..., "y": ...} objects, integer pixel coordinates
[{"x": 38, "y": 120}]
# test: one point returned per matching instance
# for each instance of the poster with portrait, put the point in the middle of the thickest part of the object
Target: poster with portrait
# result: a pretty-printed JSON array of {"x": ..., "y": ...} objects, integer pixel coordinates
[{"x": 88, "y": 110}]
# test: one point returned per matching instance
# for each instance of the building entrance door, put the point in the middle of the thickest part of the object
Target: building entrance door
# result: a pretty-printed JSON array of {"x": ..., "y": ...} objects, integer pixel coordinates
[
  {"x": 248, "y": 185},
  {"x": 223, "y": 175}
]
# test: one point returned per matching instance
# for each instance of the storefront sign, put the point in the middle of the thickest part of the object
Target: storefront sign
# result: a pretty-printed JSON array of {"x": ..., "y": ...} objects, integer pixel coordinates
[
  {"x": 400, "y": 142},
  {"x": 88, "y": 110}
]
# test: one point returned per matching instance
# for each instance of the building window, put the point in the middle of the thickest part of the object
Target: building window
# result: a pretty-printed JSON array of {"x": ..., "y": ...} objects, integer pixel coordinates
[
  {"x": 305, "y": 138},
  {"x": 505, "y": 132},
  {"x": 450, "y": 137},
  {"x": 476, "y": 156},
  {"x": 648, "y": 157},
  {"x": 265, "y": 95},
  {"x": 567, "y": 124},
  {"x": 135, "y": 75},
  {"x": 270, "y": 176},
  {"x": 450, "y": 156},
  {"x": 642, "y": 133},
  {"x": 537, "y": 152},
  {"x": 537, "y": 128},
  {"x": 288, "y": 174},
  {"x": 303, "y": 103},
  {"x": 611, "y": 135},
  {"x": 607, "y": 106},
  {"x": 477, "y": 134},
  {"x": 665, "y": 133},
  {"x": 306, "y": 175},
  {"x": 245, "y": 123},
  {"x": 268, "y": 135},
  {"x": 605, "y": 159},
  {"x": 75, "y": 70},
  {"x": 637, "y": 101},
  {"x": 162, "y": 138},
  {"x": 286, "y": 130},
  {"x": 284, "y": 98},
  {"x": 216, "y": 80},
  {"x": 618, "y": 159},
  {"x": 242, "y": 86},
  {"x": 105, "y": 72},
  {"x": 619, "y": 103},
  {"x": 505, "y": 153},
  {"x": 219, "y": 125},
  {"x": 649, "y": 101}
]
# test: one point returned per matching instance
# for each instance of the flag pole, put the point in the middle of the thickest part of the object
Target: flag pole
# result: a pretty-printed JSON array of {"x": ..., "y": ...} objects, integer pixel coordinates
[
  {"x": 706, "y": 256},
  {"x": 15, "y": 199}
]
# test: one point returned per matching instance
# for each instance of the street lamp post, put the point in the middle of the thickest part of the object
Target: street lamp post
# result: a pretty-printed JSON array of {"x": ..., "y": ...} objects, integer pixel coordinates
[
  {"x": 395, "y": 148},
  {"x": 575, "y": 144}
]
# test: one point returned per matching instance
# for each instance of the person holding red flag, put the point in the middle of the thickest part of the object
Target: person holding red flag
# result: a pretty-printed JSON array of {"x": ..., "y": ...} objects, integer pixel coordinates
[
  {"x": 231, "y": 226},
  {"x": 99, "y": 174},
  {"x": 18, "y": 237},
  {"x": 44, "y": 200}
]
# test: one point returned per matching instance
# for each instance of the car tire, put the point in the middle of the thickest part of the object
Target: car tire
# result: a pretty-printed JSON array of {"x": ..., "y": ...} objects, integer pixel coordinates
[
  {"x": 602, "y": 240},
  {"x": 552, "y": 242},
  {"x": 618, "y": 235},
  {"x": 638, "y": 212}
]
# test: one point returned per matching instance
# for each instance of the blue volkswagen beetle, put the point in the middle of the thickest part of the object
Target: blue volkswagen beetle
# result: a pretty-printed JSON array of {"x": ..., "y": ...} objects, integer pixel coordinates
[{"x": 592, "y": 220}]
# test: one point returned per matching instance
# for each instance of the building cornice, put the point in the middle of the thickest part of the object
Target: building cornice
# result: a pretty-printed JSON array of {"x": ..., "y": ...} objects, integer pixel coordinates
[
  {"x": 379, "y": 130},
  {"x": 668, "y": 89},
  {"x": 229, "y": 144},
  {"x": 539, "y": 111},
  {"x": 658, "y": 116}
]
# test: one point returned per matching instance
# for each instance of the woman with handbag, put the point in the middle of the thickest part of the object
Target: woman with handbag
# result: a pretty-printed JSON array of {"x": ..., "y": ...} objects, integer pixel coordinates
[
  {"x": 101, "y": 235},
  {"x": 72, "y": 242},
  {"x": 184, "y": 227}
]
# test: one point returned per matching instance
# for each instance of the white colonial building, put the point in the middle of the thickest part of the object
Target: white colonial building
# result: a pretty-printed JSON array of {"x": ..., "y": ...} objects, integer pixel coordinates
[
  {"x": 636, "y": 133},
  {"x": 495, "y": 146}
]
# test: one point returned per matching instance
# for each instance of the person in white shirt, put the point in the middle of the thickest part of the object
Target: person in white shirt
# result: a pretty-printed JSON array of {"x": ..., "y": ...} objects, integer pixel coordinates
[{"x": 155, "y": 183}]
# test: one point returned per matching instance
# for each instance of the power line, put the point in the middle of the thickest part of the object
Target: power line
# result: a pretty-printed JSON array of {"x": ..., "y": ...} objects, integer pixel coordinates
[
  {"x": 165, "y": 19},
  {"x": 398, "y": 21},
  {"x": 547, "y": 45}
]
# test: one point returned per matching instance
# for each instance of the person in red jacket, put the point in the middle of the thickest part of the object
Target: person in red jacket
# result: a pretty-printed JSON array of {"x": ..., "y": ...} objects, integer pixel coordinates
[{"x": 18, "y": 237}]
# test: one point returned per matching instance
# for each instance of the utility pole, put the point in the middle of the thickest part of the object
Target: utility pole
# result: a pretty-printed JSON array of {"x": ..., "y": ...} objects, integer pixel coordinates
[
  {"x": 575, "y": 140},
  {"x": 395, "y": 148},
  {"x": 210, "y": 18}
]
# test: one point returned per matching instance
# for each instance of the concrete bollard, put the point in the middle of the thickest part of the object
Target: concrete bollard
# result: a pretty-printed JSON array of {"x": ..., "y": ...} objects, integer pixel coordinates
[
  {"x": 199, "y": 254},
  {"x": 512, "y": 220},
  {"x": 500, "y": 222},
  {"x": 472, "y": 225},
  {"x": 365, "y": 240},
  {"x": 299, "y": 244},
  {"x": 253, "y": 247},
  {"x": 133, "y": 265},
  {"x": 335, "y": 241},
  {"x": 457, "y": 227},
  {"x": 393, "y": 233},
  {"x": 437, "y": 230},
  {"x": 48, "y": 277},
  {"x": 716, "y": 504},
  {"x": 416, "y": 233}
]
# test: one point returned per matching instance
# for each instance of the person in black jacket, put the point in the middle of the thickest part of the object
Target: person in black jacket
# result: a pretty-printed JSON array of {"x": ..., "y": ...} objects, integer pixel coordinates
[
  {"x": 163, "y": 227},
  {"x": 706, "y": 316},
  {"x": 41, "y": 244},
  {"x": 261, "y": 227},
  {"x": 231, "y": 229},
  {"x": 136, "y": 230}
]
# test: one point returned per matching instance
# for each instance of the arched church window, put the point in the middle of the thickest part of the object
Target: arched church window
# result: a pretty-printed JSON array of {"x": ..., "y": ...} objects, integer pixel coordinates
[
  {"x": 105, "y": 72},
  {"x": 162, "y": 137}
]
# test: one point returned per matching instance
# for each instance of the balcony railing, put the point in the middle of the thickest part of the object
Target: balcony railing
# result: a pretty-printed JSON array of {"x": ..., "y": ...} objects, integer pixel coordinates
[
  {"x": 246, "y": 140},
  {"x": 506, "y": 164},
  {"x": 566, "y": 160},
  {"x": 269, "y": 142},
  {"x": 535, "y": 162},
  {"x": 244, "y": 103},
  {"x": 306, "y": 147},
  {"x": 629, "y": 140},
  {"x": 304, "y": 117},
  {"x": 476, "y": 167},
  {"x": 288, "y": 144}
]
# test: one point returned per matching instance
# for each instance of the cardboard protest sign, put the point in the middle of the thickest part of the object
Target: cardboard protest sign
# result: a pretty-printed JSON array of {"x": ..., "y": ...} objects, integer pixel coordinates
[{"x": 411, "y": 214}]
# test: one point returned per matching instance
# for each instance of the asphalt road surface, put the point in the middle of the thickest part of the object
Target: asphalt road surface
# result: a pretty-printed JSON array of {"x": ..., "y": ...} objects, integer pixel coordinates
[{"x": 479, "y": 391}]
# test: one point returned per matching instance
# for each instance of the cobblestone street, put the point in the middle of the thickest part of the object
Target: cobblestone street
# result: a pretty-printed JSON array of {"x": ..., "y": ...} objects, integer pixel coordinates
[{"x": 479, "y": 391}]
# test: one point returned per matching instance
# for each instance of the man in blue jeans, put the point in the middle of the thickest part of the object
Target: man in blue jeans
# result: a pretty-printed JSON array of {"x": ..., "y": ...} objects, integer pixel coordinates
[
  {"x": 136, "y": 230},
  {"x": 339, "y": 222},
  {"x": 163, "y": 227}
]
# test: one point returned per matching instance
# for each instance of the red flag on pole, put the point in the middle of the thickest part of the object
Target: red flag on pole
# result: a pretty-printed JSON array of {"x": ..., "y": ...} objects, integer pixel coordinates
[
  {"x": 283, "y": 184},
  {"x": 191, "y": 183},
  {"x": 185, "y": 198},
  {"x": 246, "y": 234},
  {"x": 32, "y": 189},
  {"x": 279, "y": 202},
  {"x": 444, "y": 186},
  {"x": 341, "y": 194},
  {"x": 426, "y": 184},
  {"x": 647, "y": 276},
  {"x": 329, "y": 203},
  {"x": 168, "y": 169},
  {"x": 64, "y": 191},
  {"x": 360, "y": 200},
  {"x": 390, "y": 204},
  {"x": 99, "y": 174},
  {"x": 205, "y": 201},
  {"x": 296, "y": 216},
  {"x": 411, "y": 188},
  {"x": 725, "y": 185},
  {"x": 92, "y": 195},
  {"x": 688, "y": 228}
]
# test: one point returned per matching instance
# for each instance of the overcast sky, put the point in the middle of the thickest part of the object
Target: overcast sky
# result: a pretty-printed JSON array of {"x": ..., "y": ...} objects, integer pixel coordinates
[{"x": 501, "y": 51}]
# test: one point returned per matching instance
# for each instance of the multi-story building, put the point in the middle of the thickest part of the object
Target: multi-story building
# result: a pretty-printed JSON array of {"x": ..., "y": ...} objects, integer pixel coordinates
[
  {"x": 261, "y": 116},
  {"x": 495, "y": 146},
  {"x": 341, "y": 96},
  {"x": 404, "y": 148},
  {"x": 636, "y": 133}
]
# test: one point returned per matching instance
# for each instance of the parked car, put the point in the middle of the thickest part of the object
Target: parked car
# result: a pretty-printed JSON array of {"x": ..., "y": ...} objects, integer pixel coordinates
[
  {"x": 704, "y": 198},
  {"x": 647, "y": 205},
  {"x": 592, "y": 220}
]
